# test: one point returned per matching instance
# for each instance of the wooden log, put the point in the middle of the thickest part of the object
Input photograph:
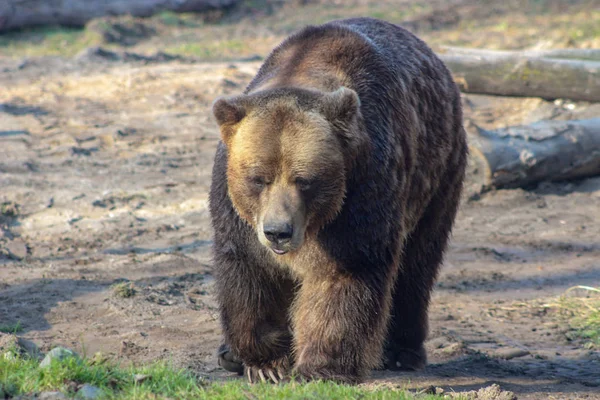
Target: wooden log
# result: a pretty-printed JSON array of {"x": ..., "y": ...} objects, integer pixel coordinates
[
  {"x": 520, "y": 156},
  {"x": 527, "y": 74},
  {"x": 561, "y": 54},
  {"x": 16, "y": 14}
]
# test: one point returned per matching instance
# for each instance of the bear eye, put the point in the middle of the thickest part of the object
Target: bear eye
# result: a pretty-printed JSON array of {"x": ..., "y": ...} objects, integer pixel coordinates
[
  {"x": 303, "y": 183},
  {"x": 257, "y": 181}
]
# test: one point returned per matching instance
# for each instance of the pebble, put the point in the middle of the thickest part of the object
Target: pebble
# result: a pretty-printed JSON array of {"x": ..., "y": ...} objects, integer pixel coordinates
[
  {"x": 17, "y": 249},
  {"x": 508, "y": 353},
  {"x": 88, "y": 391},
  {"x": 58, "y": 353},
  {"x": 453, "y": 348}
]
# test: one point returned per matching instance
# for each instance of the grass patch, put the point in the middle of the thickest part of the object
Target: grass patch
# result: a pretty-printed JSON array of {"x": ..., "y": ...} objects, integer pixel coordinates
[
  {"x": 582, "y": 314},
  {"x": 11, "y": 328},
  {"x": 20, "y": 375},
  {"x": 169, "y": 18},
  {"x": 47, "y": 40},
  {"x": 124, "y": 290},
  {"x": 211, "y": 50}
]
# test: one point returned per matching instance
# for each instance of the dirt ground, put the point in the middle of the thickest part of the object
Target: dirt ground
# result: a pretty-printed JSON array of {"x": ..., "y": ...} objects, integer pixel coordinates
[{"x": 104, "y": 172}]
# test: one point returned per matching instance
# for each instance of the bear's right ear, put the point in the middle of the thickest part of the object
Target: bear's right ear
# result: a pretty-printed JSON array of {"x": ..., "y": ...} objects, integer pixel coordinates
[{"x": 228, "y": 111}]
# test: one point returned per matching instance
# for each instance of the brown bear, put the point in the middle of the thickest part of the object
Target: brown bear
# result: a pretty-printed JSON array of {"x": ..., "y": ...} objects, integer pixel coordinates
[{"x": 333, "y": 194}]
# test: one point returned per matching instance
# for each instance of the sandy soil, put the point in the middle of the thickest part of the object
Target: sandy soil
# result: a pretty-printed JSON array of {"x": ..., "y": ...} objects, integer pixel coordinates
[{"x": 104, "y": 173}]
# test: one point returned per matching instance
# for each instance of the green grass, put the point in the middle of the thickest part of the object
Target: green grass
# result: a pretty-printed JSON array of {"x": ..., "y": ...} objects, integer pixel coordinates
[
  {"x": 20, "y": 375},
  {"x": 11, "y": 328},
  {"x": 173, "y": 19},
  {"x": 47, "y": 40},
  {"x": 582, "y": 314},
  {"x": 222, "y": 49},
  {"x": 169, "y": 18},
  {"x": 586, "y": 29}
]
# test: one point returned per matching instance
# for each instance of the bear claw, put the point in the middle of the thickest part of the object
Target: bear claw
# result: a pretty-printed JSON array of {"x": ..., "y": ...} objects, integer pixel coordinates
[{"x": 273, "y": 375}]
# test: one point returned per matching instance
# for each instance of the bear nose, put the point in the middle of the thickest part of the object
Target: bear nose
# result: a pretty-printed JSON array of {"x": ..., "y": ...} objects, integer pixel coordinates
[{"x": 278, "y": 233}]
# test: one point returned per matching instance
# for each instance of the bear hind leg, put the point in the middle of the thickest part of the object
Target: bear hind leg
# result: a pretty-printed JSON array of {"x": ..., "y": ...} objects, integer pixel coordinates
[{"x": 423, "y": 254}]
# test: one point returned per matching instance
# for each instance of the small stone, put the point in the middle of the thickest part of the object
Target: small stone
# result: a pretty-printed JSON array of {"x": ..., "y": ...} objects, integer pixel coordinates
[
  {"x": 51, "y": 396},
  {"x": 58, "y": 353},
  {"x": 453, "y": 348},
  {"x": 88, "y": 391},
  {"x": 508, "y": 353},
  {"x": 17, "y": 249}
]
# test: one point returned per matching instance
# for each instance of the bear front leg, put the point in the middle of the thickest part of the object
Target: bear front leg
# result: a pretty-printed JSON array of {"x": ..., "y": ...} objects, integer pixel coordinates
[
  {"x": 254, "y": 305},
  {"x": 339, "y": 327}
]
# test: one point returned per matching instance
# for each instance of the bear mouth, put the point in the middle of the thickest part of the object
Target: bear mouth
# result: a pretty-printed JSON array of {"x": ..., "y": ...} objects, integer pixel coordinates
[{"x": 278, "y": 251}]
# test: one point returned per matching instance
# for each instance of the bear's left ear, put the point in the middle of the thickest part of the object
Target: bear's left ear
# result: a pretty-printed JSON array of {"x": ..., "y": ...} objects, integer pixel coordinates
[{"x": 341, "y": 105}]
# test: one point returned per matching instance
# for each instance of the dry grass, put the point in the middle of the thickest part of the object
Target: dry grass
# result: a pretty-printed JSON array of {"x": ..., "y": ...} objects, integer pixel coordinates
[
  {"x": 579, "y": 308},
  {"x": 577, "y": 311},
  {"x": 124, "y": 290}
]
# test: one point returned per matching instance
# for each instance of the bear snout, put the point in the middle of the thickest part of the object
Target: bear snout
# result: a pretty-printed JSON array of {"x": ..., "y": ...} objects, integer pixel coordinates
[{"x": 279, "y": 234}]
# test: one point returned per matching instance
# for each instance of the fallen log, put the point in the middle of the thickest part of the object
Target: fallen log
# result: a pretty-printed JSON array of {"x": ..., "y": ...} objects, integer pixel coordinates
[
  {"x": 531, "y": 74},
  {"x": 16, "y": 14},
  {"x": 520, "y": 156},
  {"x": 561, "y": 54}
]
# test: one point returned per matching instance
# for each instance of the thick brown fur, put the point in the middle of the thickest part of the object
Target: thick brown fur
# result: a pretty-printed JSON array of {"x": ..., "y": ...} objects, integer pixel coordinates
[{"x": 333, "y": 195}]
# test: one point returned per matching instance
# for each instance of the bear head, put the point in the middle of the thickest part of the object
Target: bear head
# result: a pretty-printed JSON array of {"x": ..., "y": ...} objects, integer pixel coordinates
[{"x": 289, "y": 151}]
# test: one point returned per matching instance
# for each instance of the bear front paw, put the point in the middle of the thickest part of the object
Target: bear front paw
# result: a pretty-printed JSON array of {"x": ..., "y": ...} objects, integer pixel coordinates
[{"x": 273, "y": 372}]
